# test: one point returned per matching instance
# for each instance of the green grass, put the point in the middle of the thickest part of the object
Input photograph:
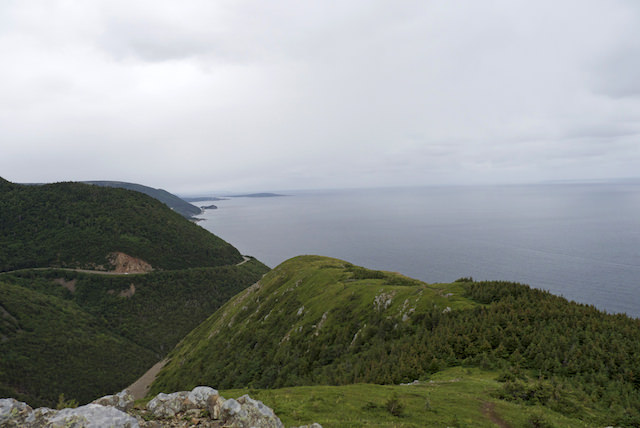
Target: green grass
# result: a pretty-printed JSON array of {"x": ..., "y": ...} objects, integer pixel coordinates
[
  {"x": 321, "y": 321},
  {"x": 455, "y": 397},
  {"x": 306, "y": 312}
]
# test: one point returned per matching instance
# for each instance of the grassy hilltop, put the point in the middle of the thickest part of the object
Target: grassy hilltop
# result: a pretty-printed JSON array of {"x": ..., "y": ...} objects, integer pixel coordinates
[
  {"x": 89, "y": 334},
  {"x": 321, "y": 321}
]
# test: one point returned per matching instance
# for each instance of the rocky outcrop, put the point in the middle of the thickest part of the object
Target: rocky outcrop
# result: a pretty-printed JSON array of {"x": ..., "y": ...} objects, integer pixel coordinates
[
  {"x": 122, "y": 401},
  {"x": 247, "y": 412},
  {"x": 13, "y": 412},
  {"x": 90, "y": 416},
  {"x": 201, "y": 407},
  {"x": 17, "y": 414},
  {"x": 124, "y": 263}
]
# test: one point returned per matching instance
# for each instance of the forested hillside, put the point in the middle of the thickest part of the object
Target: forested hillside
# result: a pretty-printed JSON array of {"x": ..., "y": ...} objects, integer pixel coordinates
[
  {"x": 80, "y": 225},
  {"x": 172, "y": 201},
  {"x": 85, "y": 334},
  {"x": 50, "y": 346},
  {"x": 314, "y": 320},
  {"x": 88, "y": 335}
]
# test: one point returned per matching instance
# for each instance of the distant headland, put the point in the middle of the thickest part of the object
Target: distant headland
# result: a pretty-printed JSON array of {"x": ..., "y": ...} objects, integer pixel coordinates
[
  {"x": 257, "y": 195},
  {"x": 226, "y": 198}
]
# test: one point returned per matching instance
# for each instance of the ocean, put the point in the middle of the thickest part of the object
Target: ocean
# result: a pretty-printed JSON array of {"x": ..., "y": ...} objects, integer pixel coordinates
[{"x": 580, "y": 241}]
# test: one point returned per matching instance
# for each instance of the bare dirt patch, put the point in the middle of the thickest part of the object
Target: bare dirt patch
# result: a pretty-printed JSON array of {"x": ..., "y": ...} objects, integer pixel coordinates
[
  {"x": 129, "y": 292},
  {"x": 140, "y": 388},
  {"x": 69, "y": 285},
  {"x": 124, "y": 263}
]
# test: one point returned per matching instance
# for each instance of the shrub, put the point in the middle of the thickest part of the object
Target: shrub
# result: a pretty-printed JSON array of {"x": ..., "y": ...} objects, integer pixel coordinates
[{"x": 394, "y": 406}]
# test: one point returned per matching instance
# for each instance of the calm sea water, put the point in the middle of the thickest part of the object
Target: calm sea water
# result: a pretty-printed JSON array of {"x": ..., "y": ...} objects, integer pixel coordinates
[{"x": 578, "y": 241}]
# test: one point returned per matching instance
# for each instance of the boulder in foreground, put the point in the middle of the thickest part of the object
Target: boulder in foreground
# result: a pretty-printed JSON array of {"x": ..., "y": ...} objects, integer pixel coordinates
[{"x": 202, "y": 407}]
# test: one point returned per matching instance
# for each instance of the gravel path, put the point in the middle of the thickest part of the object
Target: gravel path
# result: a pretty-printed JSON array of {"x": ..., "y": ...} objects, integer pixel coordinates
[
  {"x": 488, "y": 409},
  {"x": 140, "y": 387}
]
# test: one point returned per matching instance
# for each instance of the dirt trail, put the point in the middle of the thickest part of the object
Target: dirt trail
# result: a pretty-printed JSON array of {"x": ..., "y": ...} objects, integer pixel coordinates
[
  {"x": 140, "y": 387},
  {"x": 244, "y": 260},
  {"x": 488, "y": 409}
]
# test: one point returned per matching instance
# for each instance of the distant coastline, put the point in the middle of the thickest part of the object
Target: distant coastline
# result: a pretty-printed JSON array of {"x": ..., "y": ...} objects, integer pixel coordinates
[
  {"x": 226, "y": 198},
  {"x": 258, "y": 195},
  {"x": 203, "y": 198}
]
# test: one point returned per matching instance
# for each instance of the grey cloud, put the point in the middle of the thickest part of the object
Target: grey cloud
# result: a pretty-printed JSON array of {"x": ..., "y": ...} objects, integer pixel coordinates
[
  {"x": 617, "y": 75},
  {"x": 148, "y": 42},
  {"x": 604, "y": 131},
  {"x": 308, "y": 94},
  {"x": 614, "y": 70}
]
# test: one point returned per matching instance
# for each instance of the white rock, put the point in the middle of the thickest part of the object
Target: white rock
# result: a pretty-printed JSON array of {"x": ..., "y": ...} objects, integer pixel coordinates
[
  {"x": 13, "y": 412},
  {"x": 200, "y": 395},
  {"x": 231, "y": 407},
  {"x": 11, "y": 405},
  {"x": 247, "y": 412},
  {"x": 167, "y": 405},
  {"x": 121, "y": 401},
  {"x": 92, "y": 416},
  {"x": 40, "y": 416},
  {"x": 264, "y": 410}
]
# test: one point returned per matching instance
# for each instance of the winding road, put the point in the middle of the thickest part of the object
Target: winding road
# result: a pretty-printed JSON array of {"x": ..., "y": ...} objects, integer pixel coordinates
[{"x": 104, "y": 272}]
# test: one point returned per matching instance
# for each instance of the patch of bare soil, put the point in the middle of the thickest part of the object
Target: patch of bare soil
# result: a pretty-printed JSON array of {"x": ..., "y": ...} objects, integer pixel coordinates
[
  {"x": 128, "y": 293},
  {"x": 124, "y": 263},
  {"x": 488, "y": 409},
  {"x": 69, "y": 285},
  {"x": 140, "y": 387}
]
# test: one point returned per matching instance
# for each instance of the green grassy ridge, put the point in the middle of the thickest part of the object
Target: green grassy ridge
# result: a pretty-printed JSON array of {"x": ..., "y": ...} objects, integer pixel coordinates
[
  {"x": 50, "y": 346},
  {"x": 266, "y": 319},
  {"x": 455, "y": 397},
  {"x": 320, "y": 321},
  {"x": 117, "y": 338},
  {"x": 78, "y": 225}
]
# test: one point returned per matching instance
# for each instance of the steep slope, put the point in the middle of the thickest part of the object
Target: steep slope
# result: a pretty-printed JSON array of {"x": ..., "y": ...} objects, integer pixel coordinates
[
  {"x": 80, "y": 226},
  {"x": 180, "y": 206},
  {"x": 155, "y": 310},
  {"x": 50, "y": 346},
  {"x": 86, "y": 334},
  {"x": 5, "y": 185},
  {"x": 310, "y": 320},
  {"x": 314, "y": 320}
]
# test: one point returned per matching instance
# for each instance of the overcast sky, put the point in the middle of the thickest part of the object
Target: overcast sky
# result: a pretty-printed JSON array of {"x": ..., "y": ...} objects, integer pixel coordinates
[{"x": 261, "y": 95}]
